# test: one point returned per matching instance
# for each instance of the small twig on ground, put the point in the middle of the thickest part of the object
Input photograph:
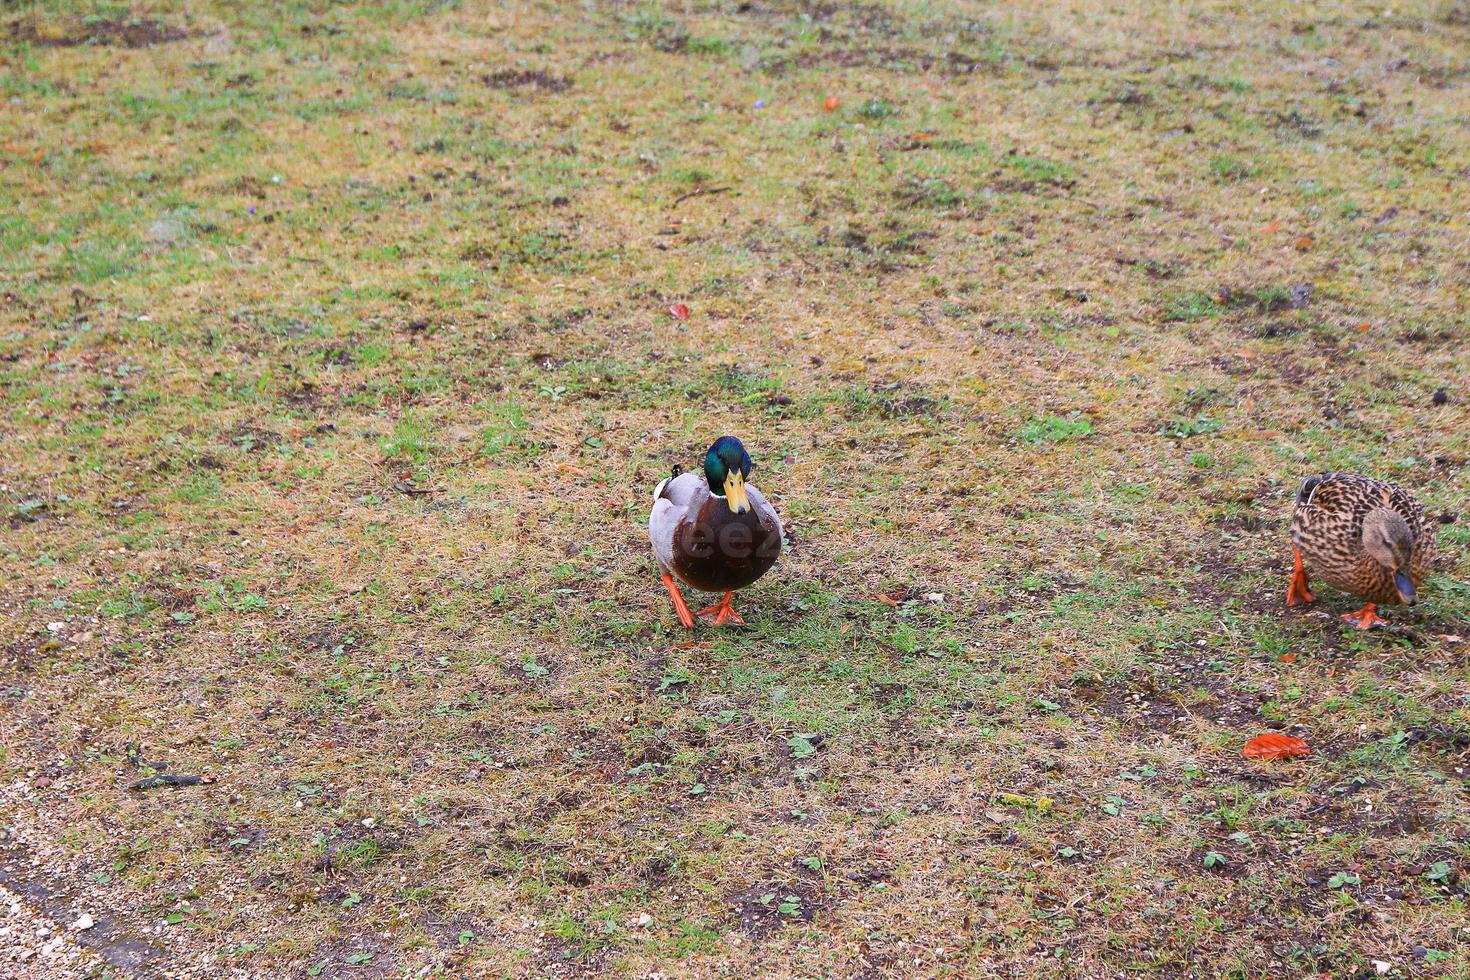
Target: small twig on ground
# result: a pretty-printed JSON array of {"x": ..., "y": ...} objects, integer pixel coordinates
[
  {"x": 135, "y": 756},
  {"x": 698, "y": 192},
  {"x": 159, "y": 777},
  {"x": 403, "y": 486},
  {"x": 167, "y": 779},
  {"x": 464, "y": 459}
]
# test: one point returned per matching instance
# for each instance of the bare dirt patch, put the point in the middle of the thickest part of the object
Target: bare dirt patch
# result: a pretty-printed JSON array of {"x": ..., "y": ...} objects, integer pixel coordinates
[
  {"x": 770, "y": 905},
  {"x": 134, "y": 32},
  {"x": 253, "y": 438},
  {"x": 512, "y": 78},
  {"x": 117, "y": 946}
]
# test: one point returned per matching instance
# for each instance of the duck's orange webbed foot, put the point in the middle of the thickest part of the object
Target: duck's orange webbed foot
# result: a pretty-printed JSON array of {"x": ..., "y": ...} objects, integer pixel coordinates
[
  {"x": 1365, "y": 618},
  {"x": 1297, "y": 593},
  {"x": 684, "y": 615},
  {"x": 721, "y": 612}
]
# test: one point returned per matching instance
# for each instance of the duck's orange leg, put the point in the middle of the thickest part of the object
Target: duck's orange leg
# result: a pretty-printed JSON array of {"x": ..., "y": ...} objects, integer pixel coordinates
[
  {"x": 721, "y": 612},
  {"x": 684, "y": 615},
  {"x": 1297, "y": 593},
  {"x": 1365, "y": 618}
]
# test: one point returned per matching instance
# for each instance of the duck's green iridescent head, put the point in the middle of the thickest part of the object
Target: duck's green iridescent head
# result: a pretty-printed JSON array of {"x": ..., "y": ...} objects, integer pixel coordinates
[{"x": 726, "y": 467}]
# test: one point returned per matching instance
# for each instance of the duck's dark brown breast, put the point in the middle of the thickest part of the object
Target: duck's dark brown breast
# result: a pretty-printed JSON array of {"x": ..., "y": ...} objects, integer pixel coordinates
[{"x": 722, "y": 551}]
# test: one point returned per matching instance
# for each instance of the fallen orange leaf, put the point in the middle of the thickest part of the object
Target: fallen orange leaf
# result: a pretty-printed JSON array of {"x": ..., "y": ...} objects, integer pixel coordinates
[
  {"x": 831, "y": 103},
  {"x": 886, "y": 600},
  {"x": 1288, "y": 658},
  {"x": 1271, "y": 227},
  {"x": 844, "y": 628},
  {"x": 1304, "y": 242},
  {"x": 1273, "y": 745},
  {"x": 679, "y": 311},
  {"x": 1364, "y": 327},
  {"x": 40, "y": 155}
]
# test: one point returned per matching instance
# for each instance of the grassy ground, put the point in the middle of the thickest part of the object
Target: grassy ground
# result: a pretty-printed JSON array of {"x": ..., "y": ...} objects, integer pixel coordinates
[{"x": 337, "y": 366}]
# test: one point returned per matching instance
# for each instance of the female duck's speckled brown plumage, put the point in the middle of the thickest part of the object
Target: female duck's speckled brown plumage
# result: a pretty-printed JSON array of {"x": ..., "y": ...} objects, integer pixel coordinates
[{"x": 1362, "y": 536}]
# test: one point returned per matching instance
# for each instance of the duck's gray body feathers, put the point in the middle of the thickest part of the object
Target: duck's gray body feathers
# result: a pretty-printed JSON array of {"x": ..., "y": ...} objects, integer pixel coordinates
[{"x": 703, "y": 543}]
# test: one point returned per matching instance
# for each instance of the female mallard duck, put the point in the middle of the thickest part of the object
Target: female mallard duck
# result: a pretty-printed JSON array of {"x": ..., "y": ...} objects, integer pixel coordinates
[
  {"x": 715, "y": 532},
  {"x": 1361, "y": 536}
]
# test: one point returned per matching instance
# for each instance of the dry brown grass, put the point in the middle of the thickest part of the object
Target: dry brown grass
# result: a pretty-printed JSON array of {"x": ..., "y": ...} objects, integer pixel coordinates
[{"x": 337, "y": 368}]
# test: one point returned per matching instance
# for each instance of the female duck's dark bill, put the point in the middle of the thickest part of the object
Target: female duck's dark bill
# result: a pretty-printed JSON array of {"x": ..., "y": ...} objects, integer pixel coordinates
[{"x": 1405, "y": 585}]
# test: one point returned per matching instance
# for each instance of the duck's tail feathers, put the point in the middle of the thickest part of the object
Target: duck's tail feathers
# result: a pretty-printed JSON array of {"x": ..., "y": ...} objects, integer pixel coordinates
[
  {"x": 1309, "y": 487},
  {"x": 658, "y": 491}
]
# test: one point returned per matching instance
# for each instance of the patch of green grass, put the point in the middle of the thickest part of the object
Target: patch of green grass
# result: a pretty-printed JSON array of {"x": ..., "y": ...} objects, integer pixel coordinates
[
  {"x": 714, "y": 46},
  {"x": 233, "y": 595},
  {"x": 411, "y": 441},
  {"x": 1192, "y": 306},
  {"x": 932, "y": 192},
  {"x": 876, "y": 109},
  {"x": 1228, "y": 168},
  {"x": 1039, "y": 169},
  {"x": 1055, "y": 428},
  {"x": 505, "y": 431},
  {"x": 126, "y": 604},
  {"x": 1185, "y": 428}
]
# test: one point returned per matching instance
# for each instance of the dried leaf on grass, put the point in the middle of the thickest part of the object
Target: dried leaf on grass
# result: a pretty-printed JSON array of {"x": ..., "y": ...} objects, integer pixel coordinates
[{"x": 1274, "y": 745}]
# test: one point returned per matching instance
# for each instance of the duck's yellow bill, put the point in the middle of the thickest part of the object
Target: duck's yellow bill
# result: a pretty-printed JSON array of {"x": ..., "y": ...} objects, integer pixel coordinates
[{"x": 735, "y": 493}]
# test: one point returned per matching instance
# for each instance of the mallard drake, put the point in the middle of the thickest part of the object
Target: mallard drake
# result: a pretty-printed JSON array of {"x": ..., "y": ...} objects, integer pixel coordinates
[
  {"x": 713, "y": 531},
  {"x": 1362, "y": 536}
]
